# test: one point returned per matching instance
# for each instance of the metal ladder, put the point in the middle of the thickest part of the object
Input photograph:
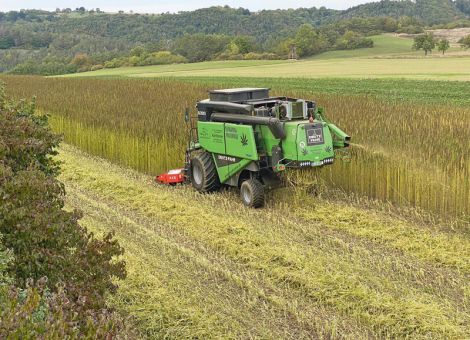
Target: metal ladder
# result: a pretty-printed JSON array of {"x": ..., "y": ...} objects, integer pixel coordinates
[{"x": 193, "y": 139}]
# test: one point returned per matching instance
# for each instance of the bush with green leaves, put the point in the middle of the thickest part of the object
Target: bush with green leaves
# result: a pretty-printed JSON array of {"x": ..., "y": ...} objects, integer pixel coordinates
[
  {"x": 162, "y": 58},
  {"x": 465, "y": 42},
  {"x": 260, "y": 56},
  {"x": 140, "y": 57},
  {"x": 353, "y": 40},
  {"x": 36, "y": 313},
  {"x": 46, "y": 241}
]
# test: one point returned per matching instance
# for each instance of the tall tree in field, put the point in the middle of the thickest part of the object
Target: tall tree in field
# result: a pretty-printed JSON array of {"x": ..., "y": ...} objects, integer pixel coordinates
[
  {"x": 425, "y": 42},
  {"x": 443, "y": 45}
]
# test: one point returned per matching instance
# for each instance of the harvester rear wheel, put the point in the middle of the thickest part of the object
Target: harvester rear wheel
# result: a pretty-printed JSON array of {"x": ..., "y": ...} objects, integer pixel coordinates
[
  {"x": 204, "y": 177},
  {"x": 252, "y": 193}
]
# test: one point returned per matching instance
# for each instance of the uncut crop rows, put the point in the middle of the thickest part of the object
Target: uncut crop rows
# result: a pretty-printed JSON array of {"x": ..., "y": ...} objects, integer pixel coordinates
[{"x": 403, "y": 152}]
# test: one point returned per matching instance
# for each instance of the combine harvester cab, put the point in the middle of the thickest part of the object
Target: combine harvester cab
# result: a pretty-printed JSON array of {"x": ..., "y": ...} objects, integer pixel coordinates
[{"x": 245, "y": 138}]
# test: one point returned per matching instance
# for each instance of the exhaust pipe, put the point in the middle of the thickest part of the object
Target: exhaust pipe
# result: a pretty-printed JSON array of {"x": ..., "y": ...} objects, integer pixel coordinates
[
  {"x": 213, "y": 106},
  {"x": 274, "y": 124}
]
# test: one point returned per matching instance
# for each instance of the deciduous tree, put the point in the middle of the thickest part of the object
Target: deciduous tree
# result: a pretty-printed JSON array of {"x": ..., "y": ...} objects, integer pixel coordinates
[
  {"x": 308, "y": 42},
  {"x": 425, "y": 42},
  {"x": 443, "y": 45}
]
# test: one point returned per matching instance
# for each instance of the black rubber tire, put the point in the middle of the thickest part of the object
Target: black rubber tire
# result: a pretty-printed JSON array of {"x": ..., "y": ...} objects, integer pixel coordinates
[
  {"x": 252, "y": 193},
  {"x": 204, "y": 177}
]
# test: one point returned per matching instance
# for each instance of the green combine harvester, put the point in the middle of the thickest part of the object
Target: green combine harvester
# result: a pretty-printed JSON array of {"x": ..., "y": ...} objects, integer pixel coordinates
[{"x": 244, "y": 138}]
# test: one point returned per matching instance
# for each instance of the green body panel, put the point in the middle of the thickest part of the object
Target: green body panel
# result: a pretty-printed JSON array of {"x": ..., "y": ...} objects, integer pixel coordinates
[
  {"x": 211, "y": 136},
  {"x": 266, "y": 139},
  {"x": 228, "y": 166},
  {"x": 289, "y": 145},
  {"x": 299, "y": 147},
  {"x": 233, "y": 146},
  {"x": 315, "y": 153},
  {"x": 228, "y": 139},
  {"x": 240, "y": 141}
]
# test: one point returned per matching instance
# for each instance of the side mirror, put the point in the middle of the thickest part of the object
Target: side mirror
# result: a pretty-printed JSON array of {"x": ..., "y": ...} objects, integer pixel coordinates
[{"x": 186, "y": 115}]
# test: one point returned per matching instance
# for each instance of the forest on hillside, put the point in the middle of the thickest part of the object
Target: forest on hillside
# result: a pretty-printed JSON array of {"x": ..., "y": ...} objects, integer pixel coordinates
[{"x": 72, "y": 40}]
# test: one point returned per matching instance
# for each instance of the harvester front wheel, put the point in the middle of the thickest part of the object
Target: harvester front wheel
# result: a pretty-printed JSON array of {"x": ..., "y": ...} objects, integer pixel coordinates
[
  {"x": 204, "y": 177},
  {"x": 252, "y": 193}
]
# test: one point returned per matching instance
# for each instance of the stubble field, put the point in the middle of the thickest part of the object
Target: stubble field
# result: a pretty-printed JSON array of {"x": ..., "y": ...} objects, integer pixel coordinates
[{"x": 303, "y": 267}]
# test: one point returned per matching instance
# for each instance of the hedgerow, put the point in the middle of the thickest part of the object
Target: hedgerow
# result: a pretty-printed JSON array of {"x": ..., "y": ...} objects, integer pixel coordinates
[{"x": 54, "y": 274}]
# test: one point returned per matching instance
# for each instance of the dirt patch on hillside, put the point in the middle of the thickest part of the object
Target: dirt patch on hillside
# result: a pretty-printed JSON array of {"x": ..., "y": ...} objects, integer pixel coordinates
[{"x": 453, "y": 35}]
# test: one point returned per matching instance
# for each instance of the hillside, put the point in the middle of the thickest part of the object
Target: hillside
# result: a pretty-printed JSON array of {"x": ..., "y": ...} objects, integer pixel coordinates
[
  {"x": 367, "y": 237},
  {"x": 428, "y": 11},
  {"x": 54, "y": 38}
]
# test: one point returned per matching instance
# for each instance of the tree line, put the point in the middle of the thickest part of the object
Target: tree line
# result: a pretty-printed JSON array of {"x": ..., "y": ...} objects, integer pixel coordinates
[
  {"x": 26, "y": 49},
  {"x": 67, "y": 41}
]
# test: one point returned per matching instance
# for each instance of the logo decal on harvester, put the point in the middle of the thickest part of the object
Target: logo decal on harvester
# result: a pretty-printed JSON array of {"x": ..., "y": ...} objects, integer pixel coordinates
[
  {"x": 314, "y": 134},
  {"x": 231, "y": 132},
  {"x": 223, "y": 160},
  {"x": 244, "y": 140}
]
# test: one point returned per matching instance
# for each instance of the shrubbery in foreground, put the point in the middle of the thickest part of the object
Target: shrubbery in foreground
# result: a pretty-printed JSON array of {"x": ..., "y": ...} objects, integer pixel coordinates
[{"x": 54, "y": 274}]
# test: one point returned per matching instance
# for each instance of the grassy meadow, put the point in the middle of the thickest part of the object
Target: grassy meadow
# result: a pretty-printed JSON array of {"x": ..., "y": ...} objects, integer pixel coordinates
[
  {"x": 386, "y": 45},
  {"x": 391, "y": 57},
  {"x": 405, "y": 152},
  {"x": 416, "y": 68}
]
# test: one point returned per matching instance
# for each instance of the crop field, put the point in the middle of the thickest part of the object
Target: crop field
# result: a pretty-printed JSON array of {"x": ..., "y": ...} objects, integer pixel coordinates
[
  {"x": 375, "y": 246},
  {"x": 387, "y": 90},
  {"x": 404, "y": 152}
]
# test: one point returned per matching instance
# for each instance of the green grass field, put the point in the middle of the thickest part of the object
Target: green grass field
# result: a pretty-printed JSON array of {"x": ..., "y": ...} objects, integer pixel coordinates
[
  {"x": 176, "y": 68},
  {"x": 391, "y": 57},
  {"x": 384, "y": 45}
]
